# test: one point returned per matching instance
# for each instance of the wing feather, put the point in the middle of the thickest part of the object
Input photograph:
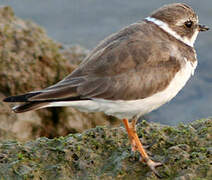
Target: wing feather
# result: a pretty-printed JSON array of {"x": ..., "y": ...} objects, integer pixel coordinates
[{"x": 125, "y": 67}]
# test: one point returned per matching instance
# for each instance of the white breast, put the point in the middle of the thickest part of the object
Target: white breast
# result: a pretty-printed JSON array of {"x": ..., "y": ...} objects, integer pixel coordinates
[{"x": 129, "y": 109}]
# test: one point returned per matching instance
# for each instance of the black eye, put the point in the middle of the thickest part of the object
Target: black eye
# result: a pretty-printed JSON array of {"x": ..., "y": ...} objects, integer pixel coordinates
[{"x": 188, "y": 24}]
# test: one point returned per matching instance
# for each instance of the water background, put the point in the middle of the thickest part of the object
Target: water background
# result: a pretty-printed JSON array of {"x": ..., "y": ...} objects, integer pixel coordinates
[{"x": 86, "y": 22}]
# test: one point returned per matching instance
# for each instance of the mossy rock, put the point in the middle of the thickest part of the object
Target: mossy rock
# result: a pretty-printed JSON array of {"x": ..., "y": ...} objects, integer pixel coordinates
[{"x": 105, "y": 153}]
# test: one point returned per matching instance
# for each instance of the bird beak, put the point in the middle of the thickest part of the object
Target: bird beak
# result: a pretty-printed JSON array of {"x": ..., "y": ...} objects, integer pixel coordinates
[{"x": 203, "y": 27}]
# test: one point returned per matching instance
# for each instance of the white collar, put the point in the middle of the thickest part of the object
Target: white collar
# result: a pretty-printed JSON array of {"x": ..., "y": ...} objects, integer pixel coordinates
[{"x": 165, "y": 27}]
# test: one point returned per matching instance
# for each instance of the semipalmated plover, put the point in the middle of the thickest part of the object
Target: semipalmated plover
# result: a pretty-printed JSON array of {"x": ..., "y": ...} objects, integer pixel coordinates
[{"x": 130, "y": 73}]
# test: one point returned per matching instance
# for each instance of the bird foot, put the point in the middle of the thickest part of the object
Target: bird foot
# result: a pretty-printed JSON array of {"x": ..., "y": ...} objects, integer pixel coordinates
[
  {"x": 137, "y": 146},
  {"x": 153, "y": 165}
]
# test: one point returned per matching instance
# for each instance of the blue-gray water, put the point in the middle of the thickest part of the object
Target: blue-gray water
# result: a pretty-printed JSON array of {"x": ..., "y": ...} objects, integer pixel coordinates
[{"x": 86, "y": 22}]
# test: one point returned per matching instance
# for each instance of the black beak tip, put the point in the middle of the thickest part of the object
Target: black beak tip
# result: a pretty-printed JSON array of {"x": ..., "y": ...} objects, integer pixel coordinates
[{"x": 203, "y": 28}]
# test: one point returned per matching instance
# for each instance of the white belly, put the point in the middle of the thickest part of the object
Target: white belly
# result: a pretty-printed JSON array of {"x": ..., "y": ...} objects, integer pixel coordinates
[{"x": 128, "y": 109}]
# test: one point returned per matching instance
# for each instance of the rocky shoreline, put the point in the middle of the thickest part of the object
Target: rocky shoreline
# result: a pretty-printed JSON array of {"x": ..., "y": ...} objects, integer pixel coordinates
[
  {"x": 104, "y": 153},
  {"x": 38, "y": 144}
]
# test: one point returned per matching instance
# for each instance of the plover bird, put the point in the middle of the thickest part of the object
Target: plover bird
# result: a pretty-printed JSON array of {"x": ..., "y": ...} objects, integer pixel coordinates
[{"x": 130, "y": 73}]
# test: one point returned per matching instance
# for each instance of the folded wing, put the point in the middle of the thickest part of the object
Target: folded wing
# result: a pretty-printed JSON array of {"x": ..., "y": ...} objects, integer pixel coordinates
[{"x": 123, "y": 67}]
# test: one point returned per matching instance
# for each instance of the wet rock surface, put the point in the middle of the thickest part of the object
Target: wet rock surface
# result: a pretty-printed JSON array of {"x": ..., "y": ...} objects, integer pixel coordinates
[{"x": 105, "y": 153}]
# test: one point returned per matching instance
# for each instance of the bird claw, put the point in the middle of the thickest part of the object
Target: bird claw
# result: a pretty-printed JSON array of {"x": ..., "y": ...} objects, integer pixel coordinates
[
  {"x": 137, "y": 146},
  {"x": 153, "y": 165}
]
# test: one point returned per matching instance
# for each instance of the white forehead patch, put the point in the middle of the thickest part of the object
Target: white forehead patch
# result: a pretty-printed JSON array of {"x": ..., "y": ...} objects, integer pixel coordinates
[{"x": 165, "y": 27}]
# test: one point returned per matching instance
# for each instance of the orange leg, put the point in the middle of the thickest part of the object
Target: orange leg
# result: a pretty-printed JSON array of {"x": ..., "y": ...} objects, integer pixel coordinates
[{"x": 136, "y": 145}]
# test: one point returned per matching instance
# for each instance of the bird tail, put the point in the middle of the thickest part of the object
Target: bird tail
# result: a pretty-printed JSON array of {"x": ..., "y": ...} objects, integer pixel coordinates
[
  {"x": 31, "y": 102},
  {"x": 27, "y": 105},
  {"x": 21, "y": 98}
]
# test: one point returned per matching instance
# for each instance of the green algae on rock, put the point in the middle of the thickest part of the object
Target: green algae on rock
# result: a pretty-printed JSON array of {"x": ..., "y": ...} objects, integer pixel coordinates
[{"x": 104, "y": 153}]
